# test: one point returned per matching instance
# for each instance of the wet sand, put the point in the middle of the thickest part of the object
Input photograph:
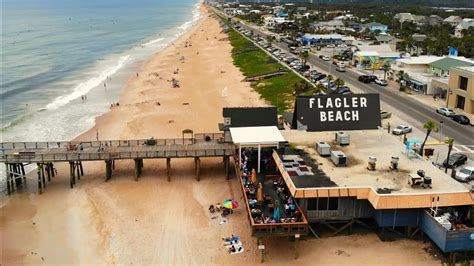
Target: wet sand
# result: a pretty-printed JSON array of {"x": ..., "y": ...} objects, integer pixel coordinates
[{"x": 154, "y": 221}]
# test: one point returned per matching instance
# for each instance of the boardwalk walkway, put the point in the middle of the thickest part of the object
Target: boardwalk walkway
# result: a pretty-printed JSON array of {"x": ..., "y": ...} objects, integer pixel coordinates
[{"x": 16, "y": 155}]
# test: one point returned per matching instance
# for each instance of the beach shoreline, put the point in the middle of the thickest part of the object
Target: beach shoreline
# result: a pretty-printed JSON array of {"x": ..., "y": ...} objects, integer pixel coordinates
[{"x": 153, "y": 221}]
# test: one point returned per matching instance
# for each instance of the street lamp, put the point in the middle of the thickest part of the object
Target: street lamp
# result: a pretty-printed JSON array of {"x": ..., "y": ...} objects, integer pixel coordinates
[{"x": 441, "y": 129}]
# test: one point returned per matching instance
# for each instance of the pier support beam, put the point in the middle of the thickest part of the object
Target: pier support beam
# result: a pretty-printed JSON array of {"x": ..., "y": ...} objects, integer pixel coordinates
[
  {"x": 78, "y": 170},
  {"x": 168, "y": 168},
  {"x": 197, "y": 167},
  {"x": 72, "y": 178},
  {"x": 82, "y": 168},
  {"x": 43, "y": 175},
  {"x": 53, "y": 173},
  {"x": 297, "y": 239},
  {"x": 48, "y": 171},
  {"x": 38, "y": 171},
  {"x": 226, "y": 166},
  {"x": 137, "y": 168},
  {"x": 108, "y": 170},
  {"x": 261, "y": 247}
]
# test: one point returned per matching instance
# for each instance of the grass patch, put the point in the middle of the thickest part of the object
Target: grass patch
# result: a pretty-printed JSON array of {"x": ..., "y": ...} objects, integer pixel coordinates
[{"x": 278, "y": 90}]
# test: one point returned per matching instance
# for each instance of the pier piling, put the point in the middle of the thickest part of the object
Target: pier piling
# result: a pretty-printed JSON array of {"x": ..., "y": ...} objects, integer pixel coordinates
[
  {"x": 197, "y": 167},
  {"x": 108, "y": 170},
  {"x": 168, "y": 168}
]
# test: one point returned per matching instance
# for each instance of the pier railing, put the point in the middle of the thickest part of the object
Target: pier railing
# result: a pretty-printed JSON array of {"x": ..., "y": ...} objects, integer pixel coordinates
[{"x": 198, "y": 137}]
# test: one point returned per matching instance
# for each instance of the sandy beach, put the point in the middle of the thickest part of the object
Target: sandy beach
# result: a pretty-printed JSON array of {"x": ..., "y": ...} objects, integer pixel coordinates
[{"x": 154, "y": 221}]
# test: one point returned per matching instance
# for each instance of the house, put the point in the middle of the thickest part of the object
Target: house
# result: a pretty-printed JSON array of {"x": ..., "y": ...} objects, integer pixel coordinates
[
  {"x": 463, "y": 25},
  {"x": 420, "y": 80},
  {"x": 461, "y": 91},
  {"x": 255, "y": 11},
  {"x": 301, "y": 9},
  {"x": 270, "y": 21},
  {"x": 354, "y": 25},
  {"x": 452, "y": 20},
  {"x": 331, "y": 25},
  {"x": 432, "y": 20},
  {"x": 442, "y": 66},
  {"x": 384, "y": 38},
  {"x": 404, "y": 17},
  {"x": 376, "y": 27},
  {"x": 417, "y": 19}
]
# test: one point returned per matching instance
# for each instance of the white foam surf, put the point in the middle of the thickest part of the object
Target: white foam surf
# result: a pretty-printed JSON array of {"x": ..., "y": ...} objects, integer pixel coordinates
[{"x": 84, "y": 87}]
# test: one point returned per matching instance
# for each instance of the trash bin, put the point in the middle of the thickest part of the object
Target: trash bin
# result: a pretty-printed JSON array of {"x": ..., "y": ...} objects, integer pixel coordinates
[{"x": 429, "y": 152}]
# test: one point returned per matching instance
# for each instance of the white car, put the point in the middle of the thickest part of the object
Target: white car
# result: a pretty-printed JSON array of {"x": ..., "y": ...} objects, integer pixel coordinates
[
  {"x": 381, "y": 82},
  {"x": 445, "y": 111},
  {"x": 466, "y": 174},
  {"x": 331, "y": 46},
  {"x": 401, "y": 129},
  {"x": 325, "y": 58}
]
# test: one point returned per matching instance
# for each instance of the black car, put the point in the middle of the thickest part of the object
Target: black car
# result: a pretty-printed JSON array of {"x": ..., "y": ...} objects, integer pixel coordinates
[
  {"x": 455, "y": 160},
  {"x": 367, "y": 78},
  {"x": 461, "y": 119},
  {"x": 319, "y": 77}
]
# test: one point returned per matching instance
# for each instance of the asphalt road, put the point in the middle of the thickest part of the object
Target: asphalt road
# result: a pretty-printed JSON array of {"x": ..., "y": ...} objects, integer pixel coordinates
[{"x": 462, "y": 134}]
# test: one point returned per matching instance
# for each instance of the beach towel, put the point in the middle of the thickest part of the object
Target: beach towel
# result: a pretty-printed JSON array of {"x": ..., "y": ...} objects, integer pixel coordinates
[{"x": 238, "y": 249}]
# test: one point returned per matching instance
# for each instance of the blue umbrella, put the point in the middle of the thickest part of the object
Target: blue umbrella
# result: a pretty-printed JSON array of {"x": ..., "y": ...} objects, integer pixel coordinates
[{"x": 276, "y": 212}]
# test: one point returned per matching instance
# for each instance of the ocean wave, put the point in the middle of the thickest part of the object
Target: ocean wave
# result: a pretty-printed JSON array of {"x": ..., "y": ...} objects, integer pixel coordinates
[
  {"x": 153, "y": 41},
  {"x": 86, "y": 86}
]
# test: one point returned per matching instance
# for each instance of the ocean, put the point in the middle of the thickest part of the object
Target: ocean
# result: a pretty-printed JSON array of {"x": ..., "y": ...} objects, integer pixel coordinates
[{"x": 55, "y": 51}]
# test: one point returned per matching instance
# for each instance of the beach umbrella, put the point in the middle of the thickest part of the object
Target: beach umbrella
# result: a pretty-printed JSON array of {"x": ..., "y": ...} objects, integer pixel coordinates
[
  {"x": 230, "y": 204},
  {"x": 254, "y": 177},
  {"x": 260, "y": 193},
  {"x": 276, "y": 212}
]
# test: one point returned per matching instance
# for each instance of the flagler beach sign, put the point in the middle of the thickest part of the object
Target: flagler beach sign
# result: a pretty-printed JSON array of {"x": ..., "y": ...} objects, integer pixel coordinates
[{"x": 337, "y": 112}]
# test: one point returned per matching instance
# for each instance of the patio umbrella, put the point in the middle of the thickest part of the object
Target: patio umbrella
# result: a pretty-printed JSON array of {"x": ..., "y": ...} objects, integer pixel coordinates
[
  {"x": 254, "y": 177},
  {"x": 260, "y": 193},
  {"x": 230, "y": 204},
  {"x": 276, "y": 212}
]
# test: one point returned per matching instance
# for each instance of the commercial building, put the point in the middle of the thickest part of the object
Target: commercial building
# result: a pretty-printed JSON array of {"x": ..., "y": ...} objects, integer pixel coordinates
[
  {"x": 376, "y": 27},
  {"x": 442, "y": 66},
  {"x": 461, "y": 91}
]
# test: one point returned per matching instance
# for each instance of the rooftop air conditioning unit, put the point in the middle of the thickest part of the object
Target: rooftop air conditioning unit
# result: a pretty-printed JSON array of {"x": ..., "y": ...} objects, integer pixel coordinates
[
  {"x": 323, "y": 148},
  {"x": 342, "y": 138},
  {"x": 338, "y": 158}
]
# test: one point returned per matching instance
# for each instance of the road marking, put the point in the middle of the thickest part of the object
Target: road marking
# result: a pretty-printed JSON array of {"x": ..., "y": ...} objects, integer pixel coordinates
[{"x": 464, "y": 148}]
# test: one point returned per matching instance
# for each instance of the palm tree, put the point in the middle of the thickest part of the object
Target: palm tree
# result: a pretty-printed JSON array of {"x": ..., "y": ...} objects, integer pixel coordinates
[
  {"x": 304, "y": 57},
  {"x": 430, "y": 125},
  {"x": 385, "y": 68},
  {"x": 319, "y": 88},
  {"x": 269, "y": 40},
  {"x": 450, "y": 142},
  {"x": 339, "y": 82}
]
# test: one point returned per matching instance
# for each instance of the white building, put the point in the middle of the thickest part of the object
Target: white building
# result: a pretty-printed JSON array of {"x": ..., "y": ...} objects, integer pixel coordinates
[
  {"x": 453, "y": 20},
  {"x": 463, "y": 25},
  {"x": 404, "y": 17}
]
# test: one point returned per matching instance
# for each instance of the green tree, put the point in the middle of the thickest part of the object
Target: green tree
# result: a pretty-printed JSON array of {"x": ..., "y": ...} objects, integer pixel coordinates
[
  {"x": 385, "y": 68},
  {"x": 269, "y": 39},
  {"x": 339, "y": 82},
  {"x": 304, "y": 57},
  {"x": 430, "y": 125},
  {"x": 450, "y": 142},
  {"x": 319, "y": 88}
]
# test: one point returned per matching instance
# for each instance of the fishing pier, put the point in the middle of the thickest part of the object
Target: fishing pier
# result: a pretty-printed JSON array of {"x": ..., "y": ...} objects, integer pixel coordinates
[{"x": 16, "y": 155}]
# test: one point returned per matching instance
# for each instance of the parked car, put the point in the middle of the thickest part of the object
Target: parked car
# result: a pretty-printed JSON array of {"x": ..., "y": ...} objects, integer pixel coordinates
[
  {"x": 365, "y": 78},
  {"x": 381, "y": 82},
  {"x": 343, "y": 90},
  {"x": 326, "y": 58},
  {"x": 319, "y": 77},
  {"x": 341, "y": 68},
  {"x": 466, "y": 174},
  {"x": 461, "y": 119},
  {"x": 331, "y": 46},
  {"x": 455, "y": 160},
  {"x": 445, "y": 111},
  {"x": 401, "y": 129},
  {"x": 385, "y": 114}
]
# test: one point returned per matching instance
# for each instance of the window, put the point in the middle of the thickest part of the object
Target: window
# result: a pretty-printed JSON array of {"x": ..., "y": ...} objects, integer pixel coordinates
[
  {"x": 322, "y": 204},
  {"x": 460, "y": 102},
  {"x": 312, "y": 204},
  {"x": 463, "y": 83},
  {"x": 333, "y": 204}
]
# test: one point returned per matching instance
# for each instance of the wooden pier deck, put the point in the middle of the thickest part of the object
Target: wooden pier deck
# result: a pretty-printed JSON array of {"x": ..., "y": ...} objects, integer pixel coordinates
[{"x": 16, "y": 155}]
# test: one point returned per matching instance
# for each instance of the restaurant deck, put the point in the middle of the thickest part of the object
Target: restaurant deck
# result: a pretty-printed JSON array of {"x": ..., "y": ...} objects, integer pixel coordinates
[{"x": 384, "y": 188}]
